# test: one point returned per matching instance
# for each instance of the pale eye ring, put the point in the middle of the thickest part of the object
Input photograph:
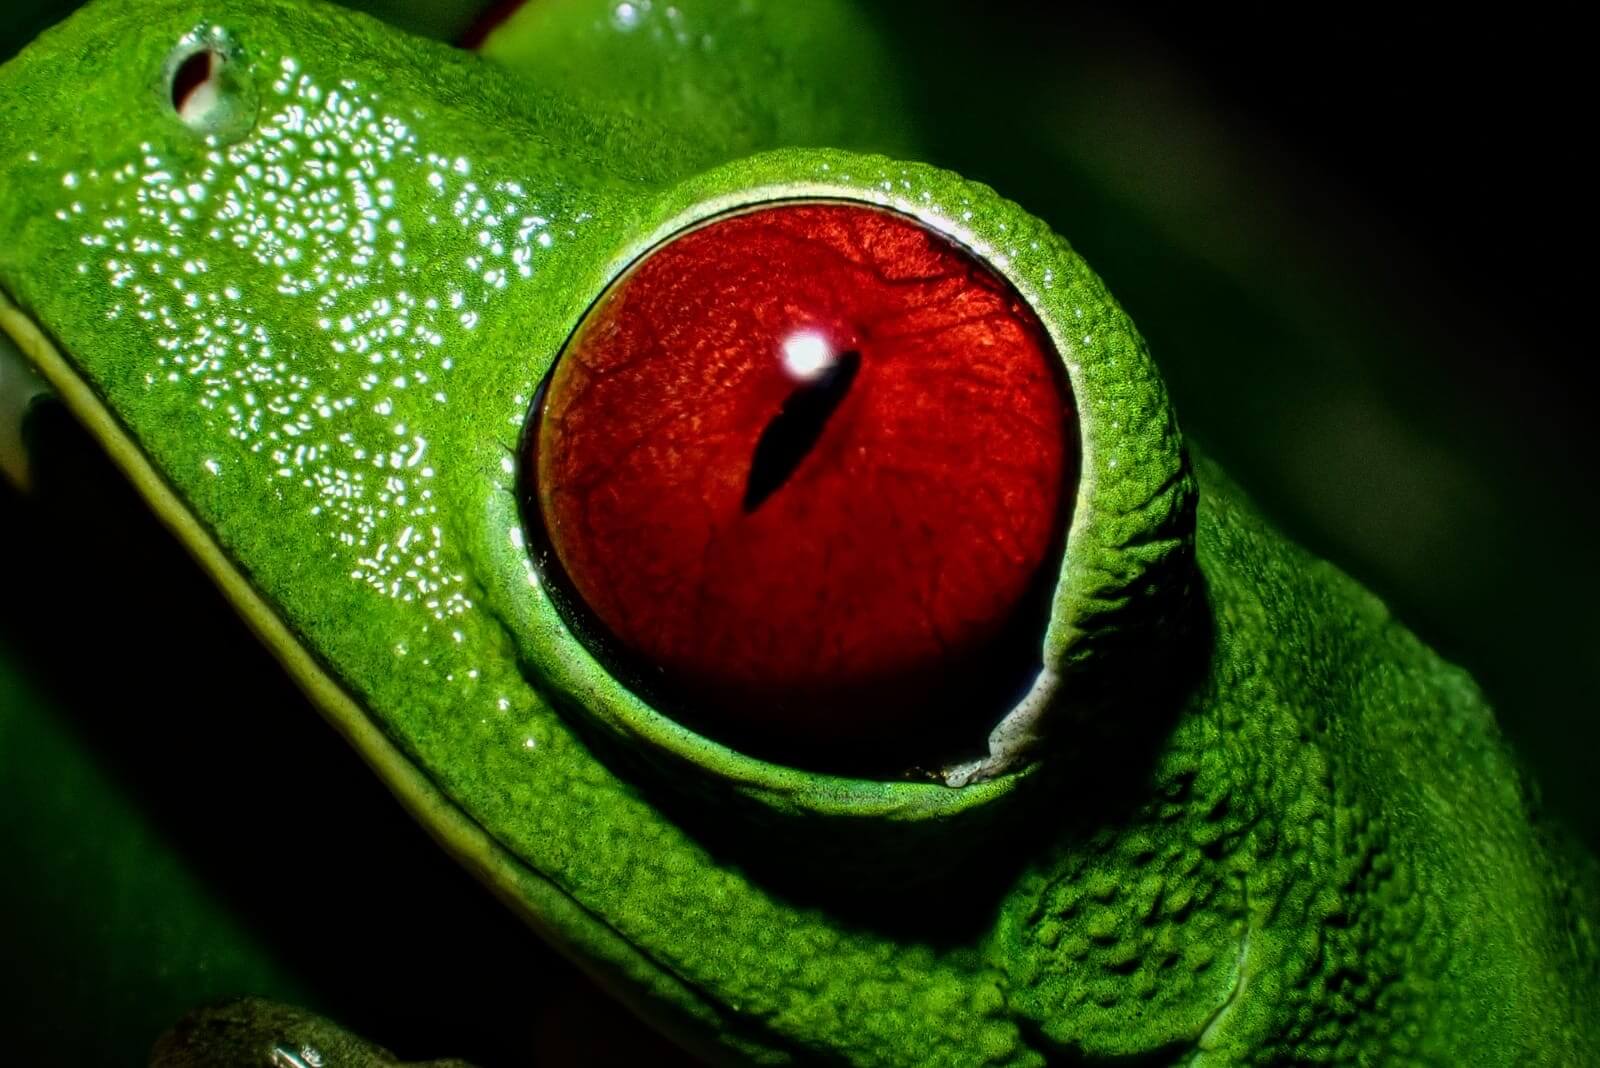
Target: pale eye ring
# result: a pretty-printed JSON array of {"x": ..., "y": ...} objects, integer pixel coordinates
[{"x": 206, "y": 85}]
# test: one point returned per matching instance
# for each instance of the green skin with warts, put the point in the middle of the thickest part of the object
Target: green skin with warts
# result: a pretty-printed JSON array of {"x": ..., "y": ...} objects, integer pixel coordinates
[{"x": 312, "y": 340}]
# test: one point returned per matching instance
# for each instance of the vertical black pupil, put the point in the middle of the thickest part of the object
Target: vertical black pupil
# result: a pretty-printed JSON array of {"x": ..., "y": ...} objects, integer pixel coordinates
[{"x": 796, "y": 428}]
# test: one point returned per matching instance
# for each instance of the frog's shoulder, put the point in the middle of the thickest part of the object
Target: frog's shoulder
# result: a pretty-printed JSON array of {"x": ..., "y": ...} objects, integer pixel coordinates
[{"x": 1446, "y": 904}]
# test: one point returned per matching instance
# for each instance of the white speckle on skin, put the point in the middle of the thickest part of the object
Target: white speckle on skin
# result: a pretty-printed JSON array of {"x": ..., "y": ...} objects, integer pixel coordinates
[{"x": 275, "y": 359}]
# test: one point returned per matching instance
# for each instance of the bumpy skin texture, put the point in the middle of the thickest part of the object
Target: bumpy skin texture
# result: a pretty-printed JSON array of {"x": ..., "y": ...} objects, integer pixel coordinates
[{"x": 314, "y": 343}]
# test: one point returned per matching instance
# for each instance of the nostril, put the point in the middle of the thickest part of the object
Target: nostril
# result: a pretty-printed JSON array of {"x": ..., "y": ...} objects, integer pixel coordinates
[
  {"x": 208, "y": 85},
  {"x": 194, "y": 86}
]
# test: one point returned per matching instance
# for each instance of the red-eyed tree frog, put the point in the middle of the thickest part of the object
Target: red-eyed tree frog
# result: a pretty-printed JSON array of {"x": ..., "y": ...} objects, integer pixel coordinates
[{"x": 770, "y": 563}]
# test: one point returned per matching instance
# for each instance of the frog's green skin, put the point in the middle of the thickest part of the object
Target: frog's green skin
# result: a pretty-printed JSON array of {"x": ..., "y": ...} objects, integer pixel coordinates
[{"x": 1308, "y": 844}]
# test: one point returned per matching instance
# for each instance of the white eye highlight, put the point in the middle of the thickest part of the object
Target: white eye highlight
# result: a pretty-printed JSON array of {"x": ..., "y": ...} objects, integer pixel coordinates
[{"x": 806, "y": 355}]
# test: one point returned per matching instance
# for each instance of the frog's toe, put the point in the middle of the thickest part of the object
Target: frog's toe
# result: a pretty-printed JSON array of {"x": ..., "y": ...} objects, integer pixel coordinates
[{"x": 255, "y": 1033}]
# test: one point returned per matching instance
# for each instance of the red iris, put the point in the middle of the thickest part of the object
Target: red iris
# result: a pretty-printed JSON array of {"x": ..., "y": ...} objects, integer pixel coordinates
[{"x": 804, "y": 473}]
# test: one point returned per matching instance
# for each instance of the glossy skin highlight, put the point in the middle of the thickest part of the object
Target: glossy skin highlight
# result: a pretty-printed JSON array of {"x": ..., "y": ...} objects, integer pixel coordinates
[{"x": 1250, "y": 819}]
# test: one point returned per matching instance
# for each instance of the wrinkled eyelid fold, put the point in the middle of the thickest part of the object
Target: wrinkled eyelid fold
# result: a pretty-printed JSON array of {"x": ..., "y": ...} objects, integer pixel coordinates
[{"x": 1118, "y": 608}]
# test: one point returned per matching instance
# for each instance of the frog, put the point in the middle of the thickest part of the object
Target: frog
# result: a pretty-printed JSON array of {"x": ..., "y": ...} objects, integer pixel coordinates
[{"x": 312, "y": 284}]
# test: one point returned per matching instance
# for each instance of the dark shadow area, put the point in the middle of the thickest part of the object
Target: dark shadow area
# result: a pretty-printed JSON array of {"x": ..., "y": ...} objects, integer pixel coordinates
[{"x": 197, "y": 736}]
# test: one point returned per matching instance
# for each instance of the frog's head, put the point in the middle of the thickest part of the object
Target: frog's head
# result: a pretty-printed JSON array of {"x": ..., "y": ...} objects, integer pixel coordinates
[{"x": 307, "y": 278}]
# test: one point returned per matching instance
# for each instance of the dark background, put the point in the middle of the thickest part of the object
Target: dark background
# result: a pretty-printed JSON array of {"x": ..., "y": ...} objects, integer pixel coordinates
[{"x": 1357, "y": 242}]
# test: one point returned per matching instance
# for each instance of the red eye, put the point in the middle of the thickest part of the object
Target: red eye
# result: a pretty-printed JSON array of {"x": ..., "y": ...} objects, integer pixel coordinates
[{"x": 805, "y": 473}]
